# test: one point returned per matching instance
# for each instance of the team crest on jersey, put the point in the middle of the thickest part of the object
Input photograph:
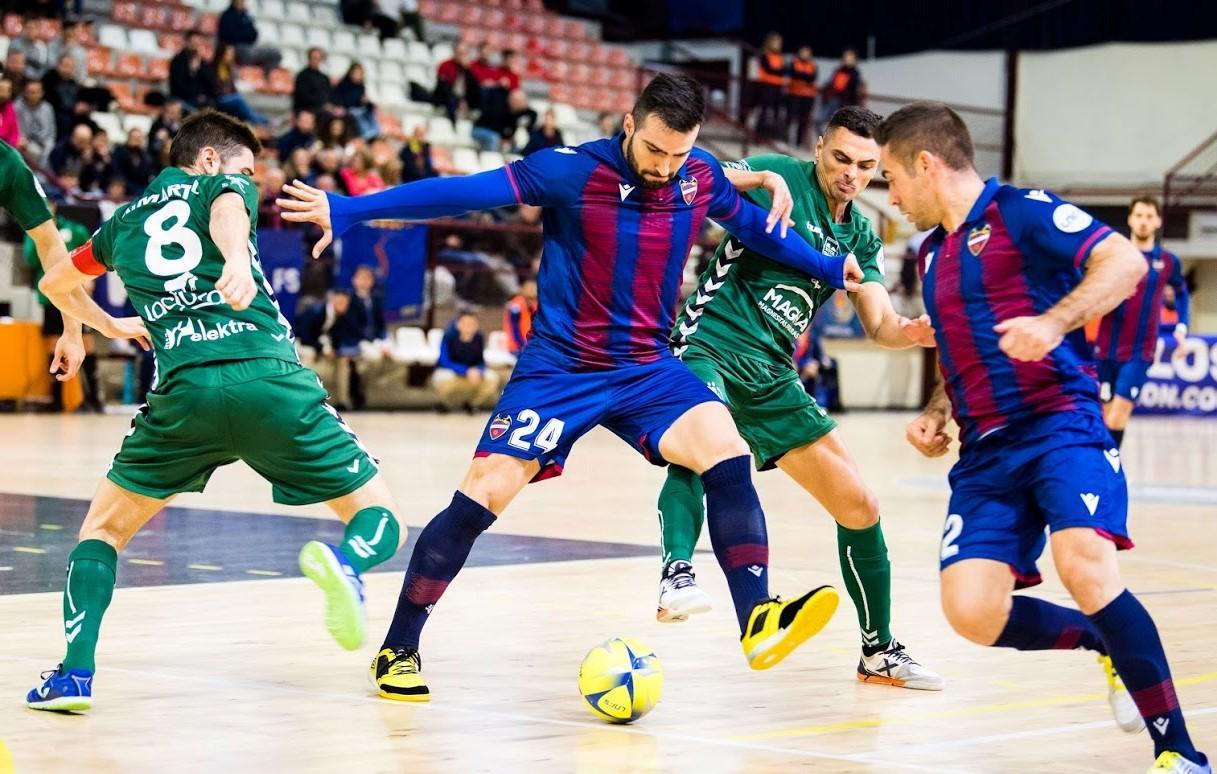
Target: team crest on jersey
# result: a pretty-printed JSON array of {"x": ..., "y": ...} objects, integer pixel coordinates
[
  {"x": 831, "y": 246},
  {"x": 688, "y": 189},
  {"x": 978, "y": 238},
  {"x": 499, "y": 426}
]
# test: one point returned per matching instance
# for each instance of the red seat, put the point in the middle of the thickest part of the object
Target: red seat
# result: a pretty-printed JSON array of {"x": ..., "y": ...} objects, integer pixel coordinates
[
  {"x": 12, "y": 25},
  {"x": 130, "y": 66},
  {"x": 182, "y": 20},
  {"x": 157, "y": 69},
  {"x": 154, "y": 17},
  {"x": 428, "y": 9},
  {"x": 281, "y": 81},
  {"x": 172, "y": 41},
  {"x": 576, "y": 30},
  {"x": 98, "y": 61},
  {"x": 619, "y": 57},
  {"x": 125, "y": 13},
  {"x": 209, "y": 24}
]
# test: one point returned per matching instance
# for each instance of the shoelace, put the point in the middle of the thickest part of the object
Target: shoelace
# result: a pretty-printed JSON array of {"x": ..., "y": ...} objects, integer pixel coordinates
[
  {"x": 896, "y": 653},
  {"x": 406, "y": 666},
  {"x": 681, "y": 580},
  {"x": 48, "y": 674}
]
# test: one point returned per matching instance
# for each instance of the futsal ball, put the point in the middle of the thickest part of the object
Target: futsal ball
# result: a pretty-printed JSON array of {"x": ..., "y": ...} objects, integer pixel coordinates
[{"x": 620, "y": 680}]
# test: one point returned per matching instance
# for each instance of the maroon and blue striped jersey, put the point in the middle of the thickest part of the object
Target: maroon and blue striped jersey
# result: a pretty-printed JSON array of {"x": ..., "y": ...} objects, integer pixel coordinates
[
  {"x": 1017, "y": 254},
  {"x": 1130, "y": 331}
]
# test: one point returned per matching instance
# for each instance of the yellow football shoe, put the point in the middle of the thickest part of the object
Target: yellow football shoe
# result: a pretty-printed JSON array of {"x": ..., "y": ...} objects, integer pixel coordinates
[
  {"x": 397, "y": 675},
  {"x": 775, "y": 628}
]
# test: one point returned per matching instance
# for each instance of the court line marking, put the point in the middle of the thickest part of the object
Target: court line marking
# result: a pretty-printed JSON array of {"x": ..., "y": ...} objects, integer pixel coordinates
[
  {"x": 28, "y": 550},
  {"x": 958, "y": 712},
  {"x": 146, "y": 562},
  {"x": 261, "y": 687}
]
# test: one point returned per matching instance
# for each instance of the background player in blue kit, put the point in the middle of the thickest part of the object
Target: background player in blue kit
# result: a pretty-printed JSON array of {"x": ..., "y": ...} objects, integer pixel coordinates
[
  {"x": 1128, "y": 334},
  {"x": 620, "y": 215},
  {"x": 1010, "y": 275}
]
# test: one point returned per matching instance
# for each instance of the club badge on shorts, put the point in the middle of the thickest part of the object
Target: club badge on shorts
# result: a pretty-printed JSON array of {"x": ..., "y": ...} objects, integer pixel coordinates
[
  {"x": 978, "y": 238},
  {"x": 688, "y": 189},
  {"x": 499, "y": 426}
]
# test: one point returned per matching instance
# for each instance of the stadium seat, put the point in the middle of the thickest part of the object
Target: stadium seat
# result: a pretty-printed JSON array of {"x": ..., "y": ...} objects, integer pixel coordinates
[
  {"x": 125, "y": 13},
  {"x": 441, "y": 52},
  {"x": 318, "y": 37},
  {"x": 251, "y": 78},
  {"x": 466, "y": 160},
  {"x": 496, "y": 354},
  {"x": 423, "y": 76},
  {"x": 270, "y": 35},
  {"x": 292, "y": 35},
  {"x": 391, "y": 75},
  {"x": 391, "y": 95},
  {"x": 129, "y": 66},
  {"x": 410, "y": 346},
  {"x": 272, "y": 10},
  {"x": 291, "y": 60},
  {"x": 418, "y": 53},
  {"x": 344, "y": 42},
  {"x": 464, "y": 130},
  {"x": 113, "y": 37},
  {"x": 282, "y": 81},
  {"x": 98, "y": 61},
  {"x": 144, "y": 42},
  {"x": 490, "y": 160},
  {"x": 395, "y": 49},
  {"x": 111, "y": 124},
  {"x": 300, "y": 13},
  {"x": 369, "y": 46},
  {"x": 143, "y": 123},
  {"x": 441, "y": 158},
  {"x": 435, "y": 337},
  {"x": 564, "y": 113}
]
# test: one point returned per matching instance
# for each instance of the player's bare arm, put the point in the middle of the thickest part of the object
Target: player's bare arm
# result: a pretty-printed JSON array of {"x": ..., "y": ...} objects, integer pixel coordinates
[
  {"x": 882, "y": 323},
  {"x": 1112, "y": 273},
  {"x": 926, "y": 432},
  {"x": 63, "y": 285},
  {"x": 775, "y": 184},
  {"x": 230, "y": 231},
  {"x": 70, "y": 348}
]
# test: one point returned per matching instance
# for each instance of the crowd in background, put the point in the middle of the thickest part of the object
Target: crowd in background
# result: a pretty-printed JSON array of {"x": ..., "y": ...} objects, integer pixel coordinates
[{"x": 791, "y": 103}]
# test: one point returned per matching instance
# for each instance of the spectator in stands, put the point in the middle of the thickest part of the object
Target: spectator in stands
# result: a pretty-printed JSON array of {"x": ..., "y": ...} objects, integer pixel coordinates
[
  {"x": 35, "y": 50},
  {"x": 166, "y": 124},
  {"x": 238, "y": 30},
  {"x": 461, "y": 378},
  {"x": 817, "y": 371},
  {"x": 547, "y": 135},
  {"x": 512, "y": 70},
  {"x": 456, "y": 88},
  {"x": 133, "y": 164},
  {"x": 496, "y": 126},
  {"x": 608, "y": 123},
  {"x": 220, "y": 86},
  {"x": 313, "y": 90},
  {"x": 37, "y": 120},
  {"x": 331, "y": 330},
  {"x": 488, "y": 73},
  {"x": 299, "y": 165},
  {"x": 369, "y": 14},
  {"x": 98, "y": 169},
  {"x": 14, "y": 69},
  {"x": 844, "y": 87},
  {"x": 517, "y": 317},
  {"x": 802, "y": 91},
  {"x": 270, "y": 215},
  {"x": 63, "y": 92},
  {"x": 371, "y": 312},
  {"x": 303, "y": 134},
  {"x": 416, "y": 161},
  {"x": 72, "y": 153},
  {"x": 335, "y": 134},
  {"x": 73, "y": 42},
  {"x": 360, "y": 177},
  {"x": 351, "y": 94},
  {"x": 770, "y": 84},
  {"x": 328, "y": 161},
  {"x": 186, "y": 72},
  {"x": 10, "y": 125}
]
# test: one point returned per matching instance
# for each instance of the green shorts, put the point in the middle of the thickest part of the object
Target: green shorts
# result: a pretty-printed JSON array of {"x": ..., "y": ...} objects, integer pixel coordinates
[
  {"x": 272, "y": 414},
  {"x": 773, "y": 412}
]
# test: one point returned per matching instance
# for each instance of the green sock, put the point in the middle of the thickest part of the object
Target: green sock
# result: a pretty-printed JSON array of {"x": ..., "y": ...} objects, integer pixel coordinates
[
  {"x": 86, "y": 596},
  {"x": 682, "y": 510},
  {"x": 371, "y": 537},
  {"x": 868, "y": 578}
]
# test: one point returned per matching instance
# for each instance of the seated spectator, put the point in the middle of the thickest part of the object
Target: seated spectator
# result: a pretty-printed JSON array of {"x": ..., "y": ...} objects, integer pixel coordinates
[
  {"x": 369, "y": 14},
  {"x": 220, "y": 86},
  {"x": 133, "y": 164},
  {"x": 461, "y": 378},
  {"x": 237, "y": 29},
  {"x": 37, "y": 120},
  {"x": 351, "y": 94},
  {"x": 371, "y": 310},
  {"x": 63, "y": 92},
  {"x": 496, "y": 126},
  {"x": 35, "y": 50},
  {"x": 73, "y": 42},
  {"x": 484, "y": 68},
  {"x": 456, "y": 87},
  {"x": 386, "y": 161},
  {"x": 328, "y": 161},
  {"x": 303, "y": 134},
  {"x": 416, "y": 156},
  {"x": 517, "y": 317},
  {"x": 512, "y": 70},
  {"x": 359, "y": 177},
  {"x": 299, "y": 165},
  {"x": 70, "y": 156},
  {"x": 817, "y": 371},
  {"x": 270, "y": 184},
  {"x": 186, "y": 72},
  {"x": 98, "y": 169},
  {"x": 331, "y": 331},
  {"x": 14, "y": 70},
  {"x": 545, "y": 136},
  {"x": 166, "y": 124},
  {"x": 313, "y": 90},
  {"x": 10, "y": 125},
  {"x": 608, "y": 123},
  {"x": 334, "y": 134}
]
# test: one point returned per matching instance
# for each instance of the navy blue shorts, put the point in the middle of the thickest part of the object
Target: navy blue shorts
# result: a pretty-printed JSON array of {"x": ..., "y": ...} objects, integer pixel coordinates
[
  {"x": 546, "y": 407},
  {"x": 1056, "y": 471},
  {"x": 1123, "y": 379}
]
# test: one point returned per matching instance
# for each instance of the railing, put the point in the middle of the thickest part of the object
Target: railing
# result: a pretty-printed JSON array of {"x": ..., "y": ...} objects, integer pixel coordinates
[{"x": 1192, "y": 182}]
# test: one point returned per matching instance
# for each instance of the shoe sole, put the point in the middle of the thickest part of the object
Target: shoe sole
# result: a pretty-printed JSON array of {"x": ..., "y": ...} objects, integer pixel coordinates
[
  {"x": 810, "y": 621},
  {"x": 62, "y": 704},
  {"x": 895, "y": 682},
  {"x": 669, "y": 615},
  {"x": 344, "y": 613}
]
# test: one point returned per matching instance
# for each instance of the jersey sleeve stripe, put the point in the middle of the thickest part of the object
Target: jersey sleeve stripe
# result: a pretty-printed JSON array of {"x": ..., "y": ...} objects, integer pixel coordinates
[
  {"x": 1084, "y": 251},
  {"x": 85, "y": 262},
  {"x": 515, "y": 188}
]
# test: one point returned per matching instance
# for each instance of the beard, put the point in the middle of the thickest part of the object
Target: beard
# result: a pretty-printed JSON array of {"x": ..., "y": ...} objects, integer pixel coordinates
[{"x": 648, "y": 181}]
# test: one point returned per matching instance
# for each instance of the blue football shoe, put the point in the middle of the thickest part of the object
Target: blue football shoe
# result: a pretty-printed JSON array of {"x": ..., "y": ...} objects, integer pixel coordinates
[{"x": 61, "y": 691}]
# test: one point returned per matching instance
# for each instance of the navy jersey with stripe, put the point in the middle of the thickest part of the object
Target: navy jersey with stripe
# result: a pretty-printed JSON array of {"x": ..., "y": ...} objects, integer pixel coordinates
[
  {"x": 1130, "y": 331},
  {"x": 1017, "y": 254},
  {"x": 614, "y": 250}
]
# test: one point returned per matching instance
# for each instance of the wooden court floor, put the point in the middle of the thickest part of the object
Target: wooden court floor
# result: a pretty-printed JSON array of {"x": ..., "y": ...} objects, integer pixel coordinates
[{"x": 229, "y": 668}]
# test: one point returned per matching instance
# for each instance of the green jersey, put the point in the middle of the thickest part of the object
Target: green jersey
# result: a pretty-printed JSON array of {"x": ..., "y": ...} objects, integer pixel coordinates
[
  {"x": 73, "y": 234},
  {"x": 20, "y": 192},
  {"x": 160, "y": 245},
  {"x": 750, "y": 305}
]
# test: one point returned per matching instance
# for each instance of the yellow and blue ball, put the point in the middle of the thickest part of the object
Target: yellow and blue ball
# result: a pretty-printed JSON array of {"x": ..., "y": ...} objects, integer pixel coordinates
[{"x": 621, "y": 680}]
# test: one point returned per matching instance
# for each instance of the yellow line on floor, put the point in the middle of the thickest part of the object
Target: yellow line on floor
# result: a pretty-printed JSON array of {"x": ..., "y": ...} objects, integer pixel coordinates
[
  {"x": 148, "y": 562},
  {"x": 986, "y": 709},
  {"x": 204, "y": 567},
  {"x": 29, "y": 550},
  {"x": 52, "y": 527},
  {"x": 262, "y": 572}
]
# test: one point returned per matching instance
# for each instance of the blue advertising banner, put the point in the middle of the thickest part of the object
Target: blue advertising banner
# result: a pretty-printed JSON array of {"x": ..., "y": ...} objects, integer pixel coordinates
[
  {"x": 282, "y": 254},
  {"x": 398, "y": 257},
  {"x": 1182, "y": 378}
]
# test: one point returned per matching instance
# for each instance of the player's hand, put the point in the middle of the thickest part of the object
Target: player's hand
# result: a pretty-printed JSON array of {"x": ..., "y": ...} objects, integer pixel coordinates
[
  {"x": 853, "y": 274},
  {"x": 128, "y": 328},
  {"x": 69, "y": 354},
  {"x": 237, "y": 286},
  {"x": 308, "y": 205},
  {"x": 783, "y": 203},
  {"x": 919, "y": 331},
  {"x": 926, "y": 435},
  {"x": 1029, "y": 338}
]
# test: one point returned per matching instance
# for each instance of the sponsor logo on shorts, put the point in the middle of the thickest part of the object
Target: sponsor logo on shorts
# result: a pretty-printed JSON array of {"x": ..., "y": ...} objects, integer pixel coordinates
[
  {"x": 499, "y": 426},
  {"x": 189, "y": 330}
]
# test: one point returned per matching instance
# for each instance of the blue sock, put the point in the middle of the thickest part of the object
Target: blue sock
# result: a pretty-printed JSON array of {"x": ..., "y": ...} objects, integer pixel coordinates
[
  {"x": 1038, "y": 625},
  {"x": 1137, "y": 654},
  {"x": 441, "y": 551},
  {"x": 737, "y": 532}
]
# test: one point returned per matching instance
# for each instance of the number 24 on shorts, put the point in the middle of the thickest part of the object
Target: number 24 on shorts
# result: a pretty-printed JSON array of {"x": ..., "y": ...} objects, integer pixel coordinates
[{"x": 546, "y": 440}]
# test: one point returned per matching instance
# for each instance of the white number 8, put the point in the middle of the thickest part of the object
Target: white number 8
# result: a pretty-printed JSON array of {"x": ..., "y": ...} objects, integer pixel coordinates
[{"x": 159, "y": 237}]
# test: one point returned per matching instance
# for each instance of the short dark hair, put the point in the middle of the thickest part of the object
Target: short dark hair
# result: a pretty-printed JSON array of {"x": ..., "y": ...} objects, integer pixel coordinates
[
  {"x": 677, "y": 100},
  {"x": 209, "y": 128},
  {"x": 857, "y": 120},
  {"x": 927, "y": 126},
  {"x": 1148, "y": 199}
]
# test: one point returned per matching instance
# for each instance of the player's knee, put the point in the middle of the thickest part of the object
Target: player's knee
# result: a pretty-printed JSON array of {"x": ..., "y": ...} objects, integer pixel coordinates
[
  {"x": 975, "y": 616},
  {"x": 729, "y": 446},
  {"x": 1090, "y": 582},
  {"x": 860, "y": 509}
]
